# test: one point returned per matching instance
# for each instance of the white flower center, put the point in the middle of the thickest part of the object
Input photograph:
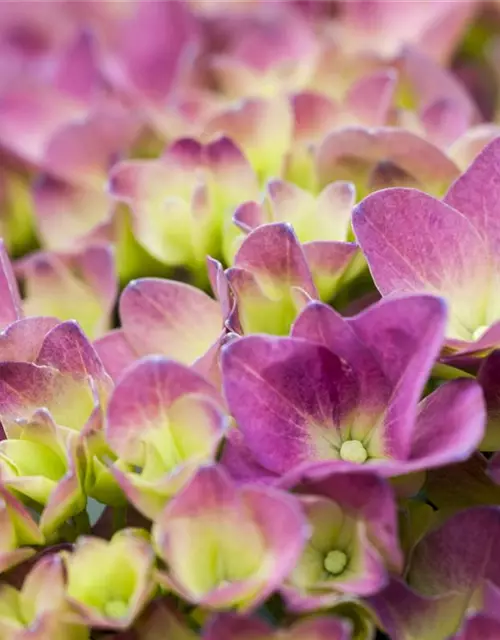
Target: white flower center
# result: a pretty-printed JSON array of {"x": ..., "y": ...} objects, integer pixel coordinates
[
  {"x": 335, "y": 562},
  {"x": 353, "y": 451}
]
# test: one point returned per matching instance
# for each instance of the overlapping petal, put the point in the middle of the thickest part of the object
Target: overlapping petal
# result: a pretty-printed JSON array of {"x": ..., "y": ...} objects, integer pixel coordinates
[
  {"x": 337, "y": 391},
  {"x": 448, "y": 248},
  {"x": 80, "y": 286},
  {"x": 180, "y": 201},
  {"x": 322, "y": 225},
  {"x": 378, "y": 158},
  {"x": 110, "y": 582},
  {"x": 164, "y": 421},
  {"x": 353, "y": 544},
  {"x": 37, "y": 611},
  {"x": 200, "y": 533},
  {"x": 269, "y": 280},
  {"x": 231, "y": 627}
]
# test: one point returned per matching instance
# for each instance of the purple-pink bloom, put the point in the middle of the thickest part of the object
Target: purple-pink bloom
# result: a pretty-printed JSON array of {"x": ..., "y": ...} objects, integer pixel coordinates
[
  {"x": 415, "y": 243},
  {"x": 202, "y": 532},
  {"x": 164, "y": 317},
  {"x": 270, "y": 281},
  {"x": 228, "y": 626},
  {"x": 164, "y": 421},
  {"x": 454, "y": 569},
  {"x": 346, "y": 391},
  {"x": 353, "y": 544}
]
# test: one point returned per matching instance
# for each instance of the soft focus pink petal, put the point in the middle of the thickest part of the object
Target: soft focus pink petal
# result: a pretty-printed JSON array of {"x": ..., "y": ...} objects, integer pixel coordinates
[
  {"x": 414, "y": 242},
  {"x": 115, "y": 352},
  {"x": 77, "y": 72},
  {"x": 81, "y": 287},
  {"x": 212, "y": 516},
  {"x": 430, "y": 83},
  {"x": 11, "y": 307},
  {"x": 30, "y": 116},
  {"x": 169, "y": 318},
  {"x": 262, "y": 128},
  {"x": 67, "y": 213},
  {"x": 384, "y": 157},
  {"x": 476, "y": 195},
  {"x": 143, "y": 396},
  {"x": 151, "y": 49},
  {"x": 23, "y": 339},
  {"x": 314, "y": 115},
  {"x": 369, "y": 99},
  {"x": 67, "y": 349},
  {"x": 405, "y": 614},
  {"x": 444, "y": 122},
  {"x": 83, "y": 151},
  {"x": 382, "y": 26}
]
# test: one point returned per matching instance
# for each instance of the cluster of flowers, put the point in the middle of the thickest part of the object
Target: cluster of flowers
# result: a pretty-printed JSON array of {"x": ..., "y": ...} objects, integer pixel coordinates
[{"x": 250, "y": 334}]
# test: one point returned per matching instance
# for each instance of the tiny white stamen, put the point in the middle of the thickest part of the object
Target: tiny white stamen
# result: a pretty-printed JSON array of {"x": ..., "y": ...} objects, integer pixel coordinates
[
  {"x": 335, "y": 562},
  {"x": 353, "y": 451}
]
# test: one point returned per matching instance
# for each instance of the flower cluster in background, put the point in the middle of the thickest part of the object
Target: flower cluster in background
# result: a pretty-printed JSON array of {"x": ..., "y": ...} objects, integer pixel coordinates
[{"x": 250, "y": 320}]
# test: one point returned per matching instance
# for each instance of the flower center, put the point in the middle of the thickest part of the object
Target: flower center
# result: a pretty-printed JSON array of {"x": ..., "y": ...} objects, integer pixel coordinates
[
  {"x": 335, "y": 562},
  {"x": 115, "y": 609},
  {"x": 479, "y": 332},
  {"x": 353, "y": 451}
]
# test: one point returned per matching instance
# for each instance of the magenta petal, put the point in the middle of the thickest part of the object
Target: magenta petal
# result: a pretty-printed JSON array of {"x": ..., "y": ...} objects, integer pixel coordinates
[
  {"x": 404, "y": 232},
  {"x": 273, "y": 251},
  {"x": 288, "y": 397},
  {"x": 142, "y": 396},
  {"x": 23, "y": 339},
  {"x": 459, "y": 556},
  {"x": 391, "y": 346},
  {"x": 414, "y": 242},
  {"x": 11, "y": 307},
  {"x": 479, "y": 626},
  {"x": 404, "y": 614},
  {"x": 363, "y": 493},
  {"x": 450, "y": 424},
  {"x": 227, "y": 626},
  {"x": 67, "y": 349},
  {"x": 212, "y": 515},
  {"x": 153, "y": 47},
  {"x": 169, "y": 318},
  {"x": 115, "y": 353},
  {"x": 320, "y": 323},
  {"x": 370, "y": 98},
  {"x": 476, "y": 195},
  {"x": 238, "y": 460}
]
